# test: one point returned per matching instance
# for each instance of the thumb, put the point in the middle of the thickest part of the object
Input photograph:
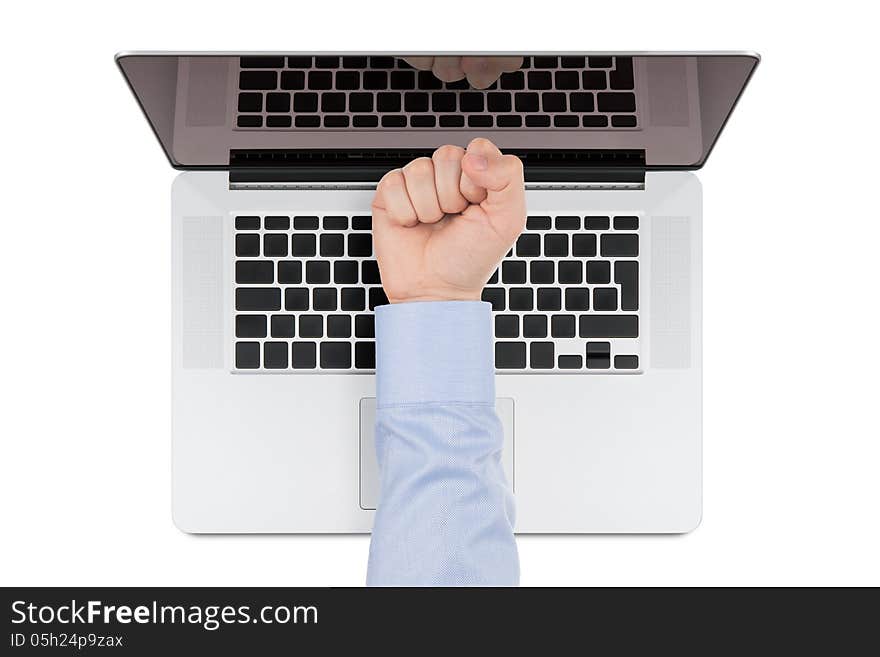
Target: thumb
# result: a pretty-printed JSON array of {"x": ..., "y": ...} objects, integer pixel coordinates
[{"x": 502, "y": 178}]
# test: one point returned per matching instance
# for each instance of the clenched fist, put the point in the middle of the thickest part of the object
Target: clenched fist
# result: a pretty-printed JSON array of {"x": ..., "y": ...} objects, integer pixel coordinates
[{"x": 442, "y": 224}]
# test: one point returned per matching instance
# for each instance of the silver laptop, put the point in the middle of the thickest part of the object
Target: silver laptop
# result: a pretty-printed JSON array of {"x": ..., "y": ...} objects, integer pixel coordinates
[{"x": 597, "y": 308}]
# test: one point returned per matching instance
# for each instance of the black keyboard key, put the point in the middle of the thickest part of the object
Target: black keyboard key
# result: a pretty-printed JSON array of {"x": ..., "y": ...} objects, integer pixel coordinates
[
  {"x": 333, "y": 121},
  {"x": 250, "y": 102},
  {"x": 354, "y": 62},
  {"x": 443, "y": 102},
  {"x": 257, "y": 298},
  {"x": 598, "y": 271},
  {"x": 515, "y": 80},
  {"x": 495, "y": 296},
  {"x": 345, "y": 271},
  {"x": 626, "y": 223},
  {"x": 577, "y": 298},
  {"x": 305, "y": 223},
  {"x": 545, "y": 62},
  {"x": 333, "y": 102},
  {"x": 581, "y": 102},
  {"x": 377, "y": 297},
  {"x": 542, "y": 271},
  {"x": 521, "y": 298},
  {"x": 568, "y": 223},
  {"x": 360, "y": 246},
  {"x": 256, "y": 80},
  {"x": 365, "y": 121},
  {"x": 364, "y": 222},
  {"x": 594, "y": 80},
  {"x": 303, "y": 355},
  {"x": 370, "y": 272},
  {"x": 592, "y": 121},
  {"x": 283, "y": 326},
  {"x": 365, "y": 326},
  {"x": 308, "y": 122},
  {"x": 290, "y": 271},
  {"x": 451, "y": 121},
  {"x": 616, "y": 102},
  {"x": 506, "y": 326},
  {"x": 471, "y": 102},
  {"x": 339, "y": 326},
  {"x": 571, "y": 362},
  {"x": 360, "y": 102},
  {"x": 605, "y": 298},
  {"x": 428, "y": 81},
  {"x": 254, "y": 271},
  {"x": 247, "y": 246},
  {"x": 325, "y": 61},
  {"x": 460, "y": 85},
  {"x": 622, "y": 245},
  {"x": 381, "y": 62},
  {"x": 583, "y": 246},
  {"x": 332, "y": 245},
  {"x": 493, "y": 279},
  {"x": 375, "y": 80},
  {"x": 528, "y": 246},
  {"x": 335, "y": 223},
  {"x": 299, "y": 62},
  {"x": 324, "y": 298},
  {"x": 423, "y": 121},
  {"x": 415, "y": 102},
  {"x": 597, "y": 223},
  {"x": 479, "y": 121},
  {"x": 318, "y": 272},
  {"x": 278, "y": 101},
  {"x": 556, "y": 245},
  {"x": 508, "y": 121},
  {"x": 311, "y": 326},
  {"x": 275, "y": 245},
  {"x": 563, "y": 121},
  {"x": 365, "y": 355},
  {"x": 537, "y": 121},
  {"x": 567, "y": 80},
  {"x": 538, "y": 223},
  {"x": 247, "y": 223},
  {"x": 293, "y": 80},
  {"x": 599, "y": 62},
  {"x": 571, "y": 272},
  {"x": 562, "y": 326},
  {"x": 296, "y": 298},
  {"x": 275, "y": 355},
  {"x": 277, "y": 223},
  {"x": 305, "y": 102},
  {"x": 513, "y": 272},
  {"x": 626, "y": 362},
  {"x": 352, "y": 298},
  {"x": 572, "y": 62},
  {"x": 388, "y": 101},
  {"x": 534, "y": 326},
  {"x": 623, "y": 121},
  {"x": 526, "y": 102},
  {"x": 609, "y": 326},
  {"x": 262, "y": 61},
  {"x": 549, "y": 298},
  {"x": 247, "y": 355},
  {"x": 348, "y": 80},
  {"x": 279, "y": 121},
  {"x": 393, "y": 121},
  {"x": 542, "y": 355},
  {"x": 622, "y": 75},
  {"x": 303, "y": 245},
  {"x": 554, "y": 101},
  {"x": 253, "y": 326},
  {"x": 496, "y": 102},
  {"x": 510, "y": 355},
  {"x": 626, "y": 275},
  {"x": 320, "y": 80},
  {"x": 598, "y": 355}
]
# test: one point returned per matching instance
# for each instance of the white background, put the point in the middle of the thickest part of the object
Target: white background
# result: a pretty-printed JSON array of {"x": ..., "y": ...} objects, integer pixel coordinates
[{"x": 791, "y": 244}]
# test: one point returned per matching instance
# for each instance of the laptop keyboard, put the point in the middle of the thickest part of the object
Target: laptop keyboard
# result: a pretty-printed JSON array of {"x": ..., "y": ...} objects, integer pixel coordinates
[
  {"x": 277, "y": 92},
  {"x": 565, "y": 299}
]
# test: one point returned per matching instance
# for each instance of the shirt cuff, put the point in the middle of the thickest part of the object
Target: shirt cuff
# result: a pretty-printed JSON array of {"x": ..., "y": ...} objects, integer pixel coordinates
[{"x": 435, "y": 351}]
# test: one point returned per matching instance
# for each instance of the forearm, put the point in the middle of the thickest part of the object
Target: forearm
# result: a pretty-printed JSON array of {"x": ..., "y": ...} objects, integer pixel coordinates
[{"x": 445, "y": 512}]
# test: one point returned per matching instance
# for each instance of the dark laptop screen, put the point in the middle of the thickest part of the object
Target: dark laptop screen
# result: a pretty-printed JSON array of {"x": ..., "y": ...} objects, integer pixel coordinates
[{"x": 667, "y": 108}]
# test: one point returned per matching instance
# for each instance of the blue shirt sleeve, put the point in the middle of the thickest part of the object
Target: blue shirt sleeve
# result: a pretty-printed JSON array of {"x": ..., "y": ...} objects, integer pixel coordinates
[{"x": 445, "y": 515}]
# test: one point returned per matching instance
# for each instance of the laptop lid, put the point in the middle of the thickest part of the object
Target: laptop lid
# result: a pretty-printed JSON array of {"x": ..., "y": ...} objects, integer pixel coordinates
[{"x": 359, "y": 114}]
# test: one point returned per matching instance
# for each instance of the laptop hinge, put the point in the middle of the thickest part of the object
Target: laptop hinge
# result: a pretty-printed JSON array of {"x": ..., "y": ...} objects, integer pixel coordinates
[{"x": 363, "y": 168}]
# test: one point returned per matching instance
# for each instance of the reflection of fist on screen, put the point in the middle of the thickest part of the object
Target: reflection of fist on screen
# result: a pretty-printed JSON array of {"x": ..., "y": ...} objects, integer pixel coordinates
[
  {"x": 480, "y": 72},
  {"x": 442, "y": 224}
]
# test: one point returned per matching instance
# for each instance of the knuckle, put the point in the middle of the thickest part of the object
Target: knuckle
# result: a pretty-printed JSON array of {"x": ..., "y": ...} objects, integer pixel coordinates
[
  {"x": 514, "y": 165},
  {"x": 448, "y": 153},
  {"x": 421, "y": 166},
  {"x": 389, "y": 181},
  {"x": 480, "y": 142}
]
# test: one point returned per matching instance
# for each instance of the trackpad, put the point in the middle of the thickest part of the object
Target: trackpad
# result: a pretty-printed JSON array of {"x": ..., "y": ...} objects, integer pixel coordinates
[{"x": 369, "y": 469}]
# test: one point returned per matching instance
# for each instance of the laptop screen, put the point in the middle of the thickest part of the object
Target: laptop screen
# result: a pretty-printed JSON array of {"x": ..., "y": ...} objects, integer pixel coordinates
[{"x": 656, "y": 110}]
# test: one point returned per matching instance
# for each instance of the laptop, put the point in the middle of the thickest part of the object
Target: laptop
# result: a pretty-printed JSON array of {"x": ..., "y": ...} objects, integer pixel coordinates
[{"x": 596, "y": 309}]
